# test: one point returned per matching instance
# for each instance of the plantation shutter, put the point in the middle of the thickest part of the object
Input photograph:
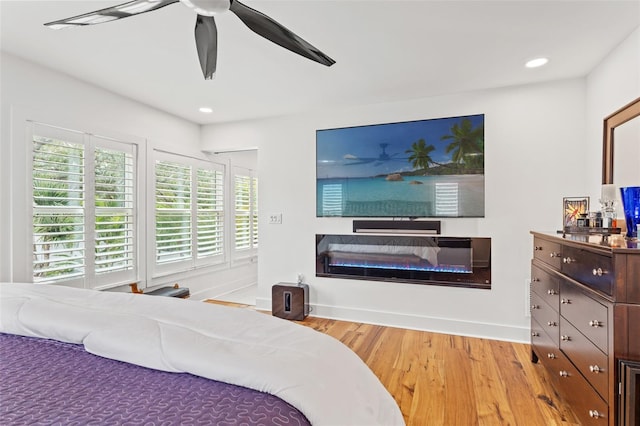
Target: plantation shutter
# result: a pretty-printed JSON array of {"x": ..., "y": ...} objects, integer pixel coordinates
[
  {"x": 83, "y": 211},
  {"x": 190, "y": 220},
  {"x": 58, "y": 208},
  {"x": 242, "y": 190},
  {"x": 114, "y": 182},
  {"x": 210, "y": 205},
  {"x": 254, "y": 211},
  {"x": 246, "y": 212},
  {"x": 173, "y": 212}
]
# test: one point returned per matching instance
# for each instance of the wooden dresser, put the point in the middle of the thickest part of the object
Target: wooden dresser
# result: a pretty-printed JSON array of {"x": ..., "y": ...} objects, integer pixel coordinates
[{"x": 585, "y": 322}]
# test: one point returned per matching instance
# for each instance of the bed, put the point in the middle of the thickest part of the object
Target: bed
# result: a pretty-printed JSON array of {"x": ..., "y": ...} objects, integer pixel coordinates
[{"x": 72, "y": 356}]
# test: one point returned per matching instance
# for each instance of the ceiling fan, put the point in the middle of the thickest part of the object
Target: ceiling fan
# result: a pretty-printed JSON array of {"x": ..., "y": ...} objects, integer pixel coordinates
[{"x": 205, "y": 31}]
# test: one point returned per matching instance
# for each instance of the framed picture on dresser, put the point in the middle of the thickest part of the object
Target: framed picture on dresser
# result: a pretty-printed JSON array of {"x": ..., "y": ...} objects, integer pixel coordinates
[{"x": 572, "y": 208}]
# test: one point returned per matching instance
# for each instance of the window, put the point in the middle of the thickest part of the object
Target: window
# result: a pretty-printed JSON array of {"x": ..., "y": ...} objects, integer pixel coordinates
[
  {"x": 246, "y": 211},
  {"x": 189, "y": 213},
  {"x": 83, "y": 211}
]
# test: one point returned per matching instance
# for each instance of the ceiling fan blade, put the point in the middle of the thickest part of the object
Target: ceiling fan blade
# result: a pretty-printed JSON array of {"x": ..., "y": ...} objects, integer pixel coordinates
[
  {"x": 207, "y": 44},
  {"x": 124, "y": 10},
  {"x": 262, "y": 25}
]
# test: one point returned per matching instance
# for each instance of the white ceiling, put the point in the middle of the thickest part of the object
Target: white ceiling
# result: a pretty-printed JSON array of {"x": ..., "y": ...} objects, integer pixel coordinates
[{"x": 385, "y": 50}]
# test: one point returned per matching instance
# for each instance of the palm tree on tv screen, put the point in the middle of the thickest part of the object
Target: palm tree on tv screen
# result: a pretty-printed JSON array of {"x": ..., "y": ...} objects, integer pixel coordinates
[
  {"x": 420, "y": 157},
  {"x": 467, "y": 144}
]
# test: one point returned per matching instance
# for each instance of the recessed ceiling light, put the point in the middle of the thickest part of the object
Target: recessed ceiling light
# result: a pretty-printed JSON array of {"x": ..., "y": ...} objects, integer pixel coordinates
[
  {"x": 206, "y": 109},
  {"x": 537, "y": 62}
]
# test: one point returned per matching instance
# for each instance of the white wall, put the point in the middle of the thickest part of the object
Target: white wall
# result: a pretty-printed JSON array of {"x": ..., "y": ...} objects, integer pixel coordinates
[
  {"x": 612, "y": 84},
  {"x": 33, "y": 92},
  {"x": 534, "y": 137}
]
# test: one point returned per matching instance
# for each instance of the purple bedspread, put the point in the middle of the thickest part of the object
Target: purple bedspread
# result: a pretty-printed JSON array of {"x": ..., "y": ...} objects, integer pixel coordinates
[{"x": 49, "y": 382}]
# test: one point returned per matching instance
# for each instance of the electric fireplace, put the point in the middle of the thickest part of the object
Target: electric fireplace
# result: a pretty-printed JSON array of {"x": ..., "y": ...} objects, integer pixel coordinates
[{"x": 435, "y": 260}]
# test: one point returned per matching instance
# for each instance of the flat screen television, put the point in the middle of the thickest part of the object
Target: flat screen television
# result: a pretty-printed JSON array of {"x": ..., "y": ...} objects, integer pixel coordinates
[{"x": 424, "y": 168}]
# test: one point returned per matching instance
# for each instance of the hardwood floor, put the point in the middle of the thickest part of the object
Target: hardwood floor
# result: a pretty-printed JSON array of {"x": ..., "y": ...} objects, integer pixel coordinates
[{"x": 440, "y": 379}]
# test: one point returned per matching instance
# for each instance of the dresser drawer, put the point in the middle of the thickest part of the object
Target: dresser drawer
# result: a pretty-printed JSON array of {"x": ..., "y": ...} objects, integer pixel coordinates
[
  {"x": 590, "y": 361},
  {"x": 546, "y": 316},
  {"x": 546, "y": 349},
  {"x": 548, "y": 252},
  {"x": 591, "y": 269},
  {"x": 585, "y": 401},
  {"x": 546, "y": 285},
  {"x": 584, "y": 313}
]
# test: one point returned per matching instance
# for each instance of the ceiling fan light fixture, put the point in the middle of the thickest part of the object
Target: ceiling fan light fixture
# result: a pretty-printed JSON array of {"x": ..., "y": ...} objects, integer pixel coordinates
[{"x": 207, "y": 7}]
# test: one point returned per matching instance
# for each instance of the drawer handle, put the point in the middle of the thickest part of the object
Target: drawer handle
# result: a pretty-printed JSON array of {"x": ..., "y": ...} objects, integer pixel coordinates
[
  {"x": 535, "y": 334},
  {"x": 595, "y": 323},
  {"x": 594, "y": 413},
  {"x": 554, "y": 254},
  {"x": 598, "y": 272},
  {"x": 533, "y": 307},
  {"x": 537, "y": 248},
  {"x": 551, "y": 356},
  {"x": 595, "y": 369},
  {"x": 565, "y": 301},
  {"x": 565, "y": 338},
  {"x": 552, "y": 292},
  {"x": 535, "y": 280},
  {"x": 564, "y": 373},
  {"x": 568, "y": 260},
  {"x": 552, "y": 324}
]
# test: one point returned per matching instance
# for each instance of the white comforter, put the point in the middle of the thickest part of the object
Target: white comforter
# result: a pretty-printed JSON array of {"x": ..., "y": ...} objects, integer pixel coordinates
[{"x": 312, "y": 371}]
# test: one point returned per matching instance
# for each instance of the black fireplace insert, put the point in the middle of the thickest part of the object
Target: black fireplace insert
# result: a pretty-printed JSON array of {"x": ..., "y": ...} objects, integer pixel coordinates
[{"x": 435, "y": 260}]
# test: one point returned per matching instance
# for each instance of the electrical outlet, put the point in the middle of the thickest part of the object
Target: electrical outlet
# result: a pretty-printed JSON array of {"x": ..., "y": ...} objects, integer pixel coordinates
[{"x": 275, "y": 219}]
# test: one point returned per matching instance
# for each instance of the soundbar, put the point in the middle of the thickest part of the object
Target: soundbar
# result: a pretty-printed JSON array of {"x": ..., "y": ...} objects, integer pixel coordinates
[{"x": 429, "y": 227}]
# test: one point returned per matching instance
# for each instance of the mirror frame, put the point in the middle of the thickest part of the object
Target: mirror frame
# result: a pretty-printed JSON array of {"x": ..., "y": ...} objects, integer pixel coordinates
[{"x": 621, "y": 116}]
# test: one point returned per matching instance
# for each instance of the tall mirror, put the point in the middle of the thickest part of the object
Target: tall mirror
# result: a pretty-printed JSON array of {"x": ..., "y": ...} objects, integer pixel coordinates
[{"x": 621, "y": 147}]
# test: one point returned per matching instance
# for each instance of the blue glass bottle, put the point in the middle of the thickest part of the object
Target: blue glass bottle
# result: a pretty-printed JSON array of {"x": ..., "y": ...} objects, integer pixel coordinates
[{"x": 631, "y": 205}]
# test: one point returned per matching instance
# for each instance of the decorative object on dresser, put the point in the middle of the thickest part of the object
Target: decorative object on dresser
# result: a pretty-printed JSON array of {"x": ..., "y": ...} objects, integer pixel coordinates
[
  {"x": 631, "y": 204},
  {"x": 585, "y": 311},
  {"x": 572, "y": 208}
]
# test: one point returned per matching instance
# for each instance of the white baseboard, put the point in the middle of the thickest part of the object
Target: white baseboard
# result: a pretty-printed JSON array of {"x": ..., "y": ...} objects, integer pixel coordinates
[
  {"x": 415, "y": 322},
  {"x": 220, "y": 290}
]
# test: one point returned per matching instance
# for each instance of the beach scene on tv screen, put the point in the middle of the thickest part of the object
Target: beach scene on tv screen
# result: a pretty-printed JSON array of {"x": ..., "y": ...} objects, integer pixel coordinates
[{"x": 424, "y": 168}]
